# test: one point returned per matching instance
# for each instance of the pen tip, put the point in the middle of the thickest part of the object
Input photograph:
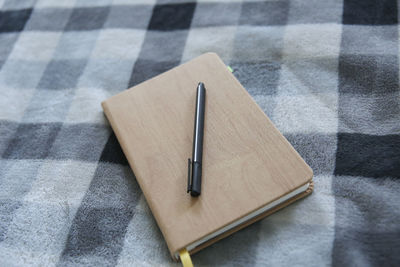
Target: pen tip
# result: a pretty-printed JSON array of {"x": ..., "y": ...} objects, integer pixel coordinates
[{"x": 201, "y": 86}]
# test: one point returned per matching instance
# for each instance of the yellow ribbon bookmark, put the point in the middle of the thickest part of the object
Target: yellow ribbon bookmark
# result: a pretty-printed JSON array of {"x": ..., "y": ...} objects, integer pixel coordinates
[{"x": 185, "y": 258}]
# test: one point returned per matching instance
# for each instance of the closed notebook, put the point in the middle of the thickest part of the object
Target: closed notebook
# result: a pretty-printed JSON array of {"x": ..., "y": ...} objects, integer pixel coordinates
[{"x": 249, "y": 169}]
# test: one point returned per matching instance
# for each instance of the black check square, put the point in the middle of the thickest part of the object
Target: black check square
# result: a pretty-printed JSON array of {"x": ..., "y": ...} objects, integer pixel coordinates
[
  {"x": 368, "y": 74},
  {"x": 146, "y": 69},
  {"x": 373, "y": 244},
  {"x": 171, "y": 17},
  {"x": 83, "y": 19},
  {"x": 112, "y": 152},
  {"x": 14, "y": 20},
  {"x": 370, "y": 12},
  {"x": 368, "y": 155},
  {"x": 264, "y": 13},
  {"x": 32, "y": 141}
]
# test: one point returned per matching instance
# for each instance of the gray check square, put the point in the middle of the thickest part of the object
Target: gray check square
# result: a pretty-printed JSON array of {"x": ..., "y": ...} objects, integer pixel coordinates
[
  {"x": 111, "y": 184},
  {"x": 367, "y": 207},
  {"x": 132, "y": 17},
  {"x": 72, "y": 137},
  {"x": 369, "y": 40},
  {"x": 318, "y": 150},
  {"x": 264, "y": 13},
  {"x": 21, "y": 74},
  {"x": 14, "y": 5},
  {"x": 116, "y": 182},
  {"x": 84, "y": 19},
  {"x": 267, "y": 73},
  {"x": 48, "y": 19},
  {"x": 32, "y": 141},
  {"x": 315, "y": 11},
  {"x": 7, "y": 210},
  {"x": 370, "y": 114},
  {"x": 356, "y": 206},
  {"x": 62, "y": 74},
  {"x": 75, "y": 45},
  {"x": 216, "y": 14},
  {"x": 48, "y": 106},
  {"x": 171, "y": 48},
  {"x": 7, "y": 130},
  {"x": 7, "y": 41},
  {"x": 17, "y": 189}
]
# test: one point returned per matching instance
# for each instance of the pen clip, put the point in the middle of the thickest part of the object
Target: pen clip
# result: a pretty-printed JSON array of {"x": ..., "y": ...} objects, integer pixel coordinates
[{"x": 189, "y": 181}]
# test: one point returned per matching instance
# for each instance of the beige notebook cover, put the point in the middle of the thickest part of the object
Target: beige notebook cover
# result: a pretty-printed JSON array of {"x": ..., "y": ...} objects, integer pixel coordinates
[{"x": 249, "y": 169}]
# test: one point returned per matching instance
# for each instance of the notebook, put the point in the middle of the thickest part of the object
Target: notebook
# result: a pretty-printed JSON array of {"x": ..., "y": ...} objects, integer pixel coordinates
[{"x": 249, "y": 169}]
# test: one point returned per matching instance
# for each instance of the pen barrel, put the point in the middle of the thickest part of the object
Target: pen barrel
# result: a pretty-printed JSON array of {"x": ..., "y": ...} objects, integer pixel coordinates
[
  {"x": 198, "y": 134},
  {"x": 199, "y": 124},
  {"x": 196, "y": 181}
]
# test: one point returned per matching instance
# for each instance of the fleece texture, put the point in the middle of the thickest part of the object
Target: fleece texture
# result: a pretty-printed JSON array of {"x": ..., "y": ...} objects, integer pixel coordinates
[{"x": 325, "y": 72}]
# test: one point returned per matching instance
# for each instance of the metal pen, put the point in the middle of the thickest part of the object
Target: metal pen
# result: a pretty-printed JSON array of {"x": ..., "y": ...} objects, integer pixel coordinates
[{"x": 195, "y": 166}]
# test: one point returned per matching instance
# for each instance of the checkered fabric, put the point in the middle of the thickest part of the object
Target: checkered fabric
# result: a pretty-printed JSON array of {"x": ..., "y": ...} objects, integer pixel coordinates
[{"x": 325, "y": 72}]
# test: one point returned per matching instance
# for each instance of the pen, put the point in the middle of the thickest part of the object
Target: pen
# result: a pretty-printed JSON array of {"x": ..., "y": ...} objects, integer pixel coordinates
[{"x": 194, "y": 176}]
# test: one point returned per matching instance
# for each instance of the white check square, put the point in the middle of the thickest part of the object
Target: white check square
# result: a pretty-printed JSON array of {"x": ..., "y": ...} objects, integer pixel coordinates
[
  {"x": 307, "y": 114},
  {"x": 312, "y": 40},
  {"x": 55, "y": 3},
  {"x": 258, "y": 44},
  {"x": 38, "y": 46},
  {"x": 86, "y": 106},
  {"x": 118, "y": 44},
  {"x": 212, "y": 39},
  {"x": 61, "y": 182}
]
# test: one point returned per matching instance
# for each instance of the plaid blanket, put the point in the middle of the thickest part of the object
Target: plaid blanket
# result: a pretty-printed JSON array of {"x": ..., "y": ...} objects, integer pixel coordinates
[{"x": 325, "y": 72}]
